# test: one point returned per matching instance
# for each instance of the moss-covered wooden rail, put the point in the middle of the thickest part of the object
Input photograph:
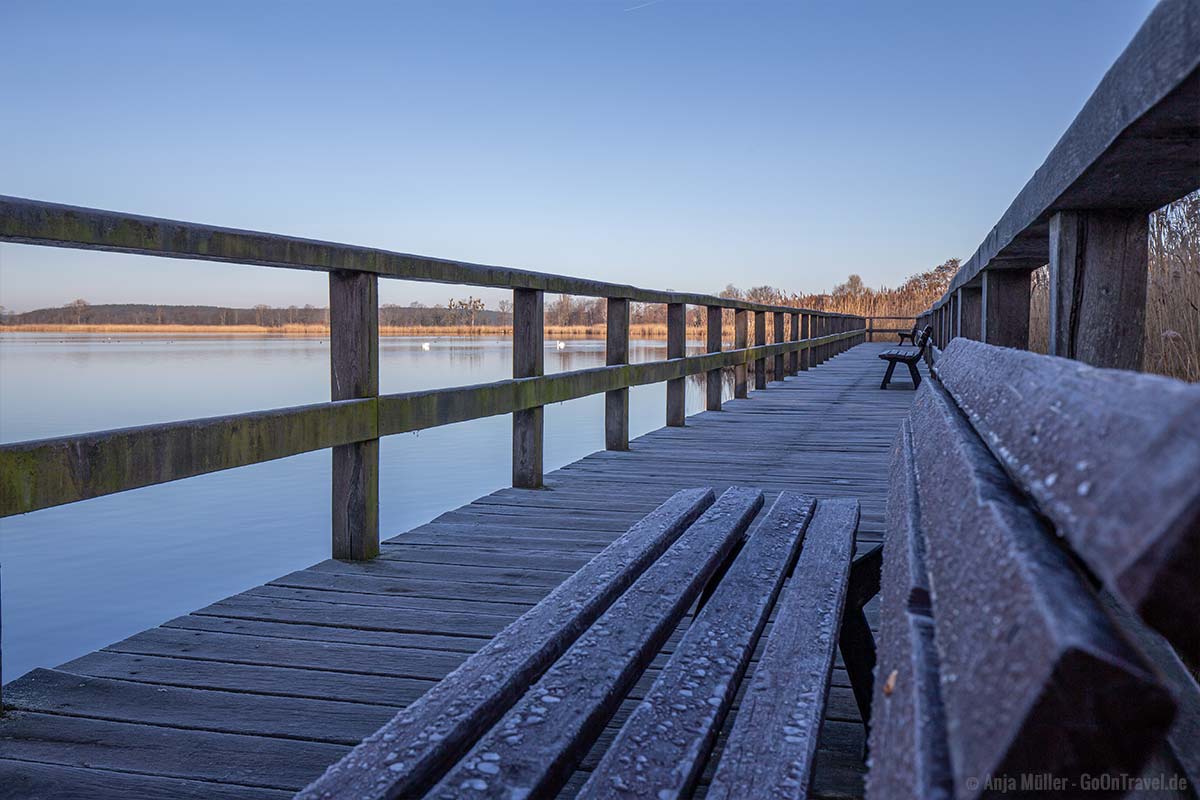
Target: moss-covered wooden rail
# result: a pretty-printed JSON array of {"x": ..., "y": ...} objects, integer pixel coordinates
[{"x": 51, "y": 472}]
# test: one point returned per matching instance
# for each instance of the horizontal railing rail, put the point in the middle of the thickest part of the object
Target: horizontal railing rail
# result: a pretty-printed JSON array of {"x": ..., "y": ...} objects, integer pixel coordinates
[
  {"x": 41, "y": 474},
  {"x": 874, "y": 328},
  {"x": 1132, "y": 149}
]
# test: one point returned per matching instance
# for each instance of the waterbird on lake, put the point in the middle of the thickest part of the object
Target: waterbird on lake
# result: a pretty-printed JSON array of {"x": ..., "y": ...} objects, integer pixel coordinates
[
  {"x": 561, "y": 345},
  {"x": 425, "y": 346}
]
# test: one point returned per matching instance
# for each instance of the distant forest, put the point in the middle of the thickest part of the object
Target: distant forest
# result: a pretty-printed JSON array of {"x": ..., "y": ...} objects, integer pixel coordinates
[{"x": 81, "y": 312}]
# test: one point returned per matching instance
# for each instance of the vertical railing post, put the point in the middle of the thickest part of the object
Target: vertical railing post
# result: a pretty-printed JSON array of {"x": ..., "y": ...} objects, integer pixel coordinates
[
  {"x": 713, "y": 324},
  {"x": 794, "y": 356},
  {"x": 806, "y": 355},
  {"x": 740, "y": 339},
  {"x": 779, "y": 373},
  {"x": 1098, "y": 276},
  {"x": 760, "y": 339},
  {"x": 616, "y": 401},
  {"x": 676, "y": 348},
  {"x": 529, "y": 361},
  {"x": 970, "y": 300},
  {"x": 354, "y": 373},
  {"x": 871, "y": 329},
  {"x": 1005, "y": 307},
  {"x": 821, "y": 322}
]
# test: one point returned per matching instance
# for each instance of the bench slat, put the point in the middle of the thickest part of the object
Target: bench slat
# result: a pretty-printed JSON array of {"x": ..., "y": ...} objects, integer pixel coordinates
[
  {"x": 1111, "y": 457},
  {"x": 909, "y": 755},
  {"x": 774, "y": 737},
  {"x": 664, "y": 745},
  {"x": 1034, "y": 677},
  {"x": 409, "y": 753},
  {"x": 533, "y": 748}
]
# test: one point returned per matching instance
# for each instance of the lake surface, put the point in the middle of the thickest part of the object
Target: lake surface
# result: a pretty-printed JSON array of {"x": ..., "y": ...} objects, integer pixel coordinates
[{"x": 78, "y": 577}]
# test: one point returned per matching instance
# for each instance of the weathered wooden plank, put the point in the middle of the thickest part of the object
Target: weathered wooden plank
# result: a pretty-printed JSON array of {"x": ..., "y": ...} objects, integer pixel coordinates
[
  {"x": 529, "y": 361},
  {"x": 1110, "y": 457},
  {"x": 50, "y": 224},
  {"x": 1005, "y": 307},
  {"x": 252, "y": 678},
  {"x": 677, "y": 348},
  {"x": 262, "y": 761},
  {"x": 778, "y": 371},
  {"x": 970, "y": 312},
  {"x": 55, "y": 692},
  {"x": 774, "y": 737},
  {"x": 697, "y": 687},
  {"x": 616, "y": 353},
  {"x": 1034, "y": 677},
  {"x": 713, "y": 381},
  {"x": 1098, "y": 275},
  {"x": 430, "y": 734},
  {"x": 909, "y": 753},
  {"x": 535, "y": 746},
  {"x": 43, "y": 473},
  {"x": 740, "y": 341},
  {"x": 760, "y": 338},
  {"x": 26, "y": 780},
  {"x": 442, "y": 638},
  {"x": 354, "y": 374}
]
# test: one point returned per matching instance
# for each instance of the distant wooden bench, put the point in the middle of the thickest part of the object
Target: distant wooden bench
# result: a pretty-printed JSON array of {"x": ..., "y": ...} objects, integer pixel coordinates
[
  {"x": 908, "y": 356},
  {"x": 999, "y": 657},
  {"x": 518, "y": 716},
  {"x": 910, "y": 335}
]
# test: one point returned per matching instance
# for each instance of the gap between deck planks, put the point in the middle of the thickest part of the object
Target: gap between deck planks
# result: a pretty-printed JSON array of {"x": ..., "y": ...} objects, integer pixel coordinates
[{"x": 255, "y": 694}]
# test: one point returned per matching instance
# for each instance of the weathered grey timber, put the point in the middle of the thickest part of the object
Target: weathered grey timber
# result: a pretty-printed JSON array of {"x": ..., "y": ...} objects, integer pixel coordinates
[
  {"x": 713, "y": 325},
  {"x": 970, "y": 312},
  {"x": 780, "y": 335},
  {"x": 25, "y": 221},
  {"x": 534, "y": 748},
  {"x": 696, "y": 688},
  {"x": 529, "y": 361},
  {"x": 1035, "y": 679},
  {"x": 1110, "y": 457},
  {"x": 760, "y": 339},
  {"x": 1005, "y": 307},
  {"x": 910, "y": 756},
  {"x": 1098, "y": 275},
  {"x": 48, "y": 472},
  {"x": 616, "y": 353},
  {"x": 677, "y": 348},
  {"x": 352, "y": 640},
  {"x": 740, "y": 340},
  {"x": 354, "y": 374},
  {"x": 771, "y": 747},
  {"x": 435, "y": 731}
]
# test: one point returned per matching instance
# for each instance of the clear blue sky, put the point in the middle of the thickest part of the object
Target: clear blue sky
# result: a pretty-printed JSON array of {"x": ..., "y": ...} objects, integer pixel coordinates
[{"x": 674, "y": 144}]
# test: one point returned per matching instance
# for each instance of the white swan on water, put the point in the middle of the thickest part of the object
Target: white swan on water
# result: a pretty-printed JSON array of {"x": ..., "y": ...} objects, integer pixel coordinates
[
  {"x": 425, "y": 346},
  {"x": 561, "y": 345}
]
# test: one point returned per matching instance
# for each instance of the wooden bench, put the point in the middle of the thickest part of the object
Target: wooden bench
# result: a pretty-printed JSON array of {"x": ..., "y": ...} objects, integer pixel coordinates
[
  {"x": 910, "y": 335},
  {"x": 517, "y": 718},
  {"x": 906, "y": 355},
  {"x": 1039, "y": 582}
]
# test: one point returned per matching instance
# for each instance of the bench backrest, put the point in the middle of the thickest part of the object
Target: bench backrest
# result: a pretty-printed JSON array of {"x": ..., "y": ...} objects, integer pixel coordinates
[
  {"x": 998, "y": 657},
  {"x": 924, "y": 338}
]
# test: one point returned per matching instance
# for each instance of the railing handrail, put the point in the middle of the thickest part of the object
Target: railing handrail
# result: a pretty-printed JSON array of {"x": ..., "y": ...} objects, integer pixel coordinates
[{"x": 26, "y": 221}]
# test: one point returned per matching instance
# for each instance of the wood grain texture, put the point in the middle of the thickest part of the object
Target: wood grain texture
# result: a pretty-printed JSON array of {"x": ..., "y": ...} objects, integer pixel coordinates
[
  {"x": 713, "y": 326},
  {"x": 1005, "y": 307},
  {"x": 970, "y": 312},
  {"x": 354, "y": 374},
  {"x": 696, "y": 688},
  {"x": 1098, "y": 275},
  {"x": 771, "y": 747},
  {"x": 1034, "y": 677},
  {"x": 778, "y": 367},
  {"x": 532, "y": 750},
  {"x": 428, "y": 736},
  {"x": 529, "y": 361},
  {"x": 760, "y": 338},
  {"x": 794, "y": 335},
  {"x": 1111, "y": 459},
  {"x": 677, "y": 348},
  {"x": 616, "y": 353},
  {"x": 740, "y": 340}
]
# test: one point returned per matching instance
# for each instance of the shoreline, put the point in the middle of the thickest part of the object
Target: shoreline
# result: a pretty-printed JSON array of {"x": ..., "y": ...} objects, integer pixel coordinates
[{"x": 322, "y": 331}]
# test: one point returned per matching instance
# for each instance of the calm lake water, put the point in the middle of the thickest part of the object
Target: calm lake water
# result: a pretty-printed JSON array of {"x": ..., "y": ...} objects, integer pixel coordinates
[{"x": 78, "y": 577}]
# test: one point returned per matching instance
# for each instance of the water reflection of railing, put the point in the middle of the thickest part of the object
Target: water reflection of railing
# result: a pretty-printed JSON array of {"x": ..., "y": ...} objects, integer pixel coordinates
[{"x": 50, "y": 472}]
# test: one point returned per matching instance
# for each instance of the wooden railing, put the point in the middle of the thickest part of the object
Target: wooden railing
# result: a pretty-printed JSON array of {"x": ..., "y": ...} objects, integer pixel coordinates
[
  {"x": 1134, "y": 148},
  {"x": 890, "y": 327},
  {"x": 50, "y": 472}
]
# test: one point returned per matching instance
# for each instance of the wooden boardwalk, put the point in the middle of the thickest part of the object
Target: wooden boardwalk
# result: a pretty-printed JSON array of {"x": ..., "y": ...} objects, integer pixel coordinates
[{"x": 255, "y": 695}]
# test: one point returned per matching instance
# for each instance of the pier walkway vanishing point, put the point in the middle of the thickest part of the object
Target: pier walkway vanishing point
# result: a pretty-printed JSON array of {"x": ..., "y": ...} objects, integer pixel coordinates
[{"x": 255, "y": 695}]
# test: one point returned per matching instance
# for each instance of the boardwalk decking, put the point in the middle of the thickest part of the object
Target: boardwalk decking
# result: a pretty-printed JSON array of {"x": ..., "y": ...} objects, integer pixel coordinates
[{"x": 256, "y": 694}]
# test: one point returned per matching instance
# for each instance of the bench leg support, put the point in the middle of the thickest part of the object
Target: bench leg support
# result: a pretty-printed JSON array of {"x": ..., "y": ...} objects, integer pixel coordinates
[
  {"x": 855, "y": 639},
  {"x": 887, "y": 376},
  {"x": 916, "y": 374}
]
